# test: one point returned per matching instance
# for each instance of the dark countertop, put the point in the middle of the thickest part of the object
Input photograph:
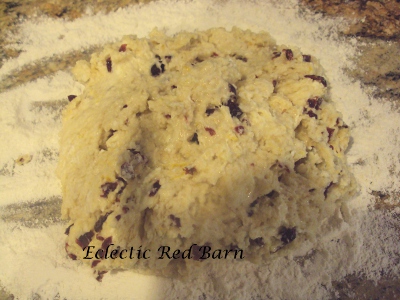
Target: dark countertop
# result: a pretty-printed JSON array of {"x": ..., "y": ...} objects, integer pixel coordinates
[{"x": 375, "y": 23}]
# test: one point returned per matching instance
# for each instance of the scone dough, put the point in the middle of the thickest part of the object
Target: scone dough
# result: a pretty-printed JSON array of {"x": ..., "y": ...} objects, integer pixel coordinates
[{"x": 218, "y": 138}]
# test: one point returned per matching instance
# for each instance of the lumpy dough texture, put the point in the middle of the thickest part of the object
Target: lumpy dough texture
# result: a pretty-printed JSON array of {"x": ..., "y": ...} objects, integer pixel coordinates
[{"x": 218, "y": 138}]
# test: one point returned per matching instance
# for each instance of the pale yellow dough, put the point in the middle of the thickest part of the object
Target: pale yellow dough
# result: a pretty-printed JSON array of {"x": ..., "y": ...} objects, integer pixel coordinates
[{"x": 266, "y": 172}]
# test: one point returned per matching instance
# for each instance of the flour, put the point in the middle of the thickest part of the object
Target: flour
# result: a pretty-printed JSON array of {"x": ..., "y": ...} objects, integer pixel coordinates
[
  {"x": 30, "y": 128},
  {"x": 33, "y": 260}
]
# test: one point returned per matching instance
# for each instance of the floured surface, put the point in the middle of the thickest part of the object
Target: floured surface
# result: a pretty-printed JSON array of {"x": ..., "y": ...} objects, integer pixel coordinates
[{"x": 368, "y": 247}]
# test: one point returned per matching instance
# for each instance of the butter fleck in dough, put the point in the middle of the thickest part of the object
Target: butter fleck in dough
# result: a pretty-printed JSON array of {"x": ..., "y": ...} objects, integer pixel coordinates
[{"x": 218, "y": 138}]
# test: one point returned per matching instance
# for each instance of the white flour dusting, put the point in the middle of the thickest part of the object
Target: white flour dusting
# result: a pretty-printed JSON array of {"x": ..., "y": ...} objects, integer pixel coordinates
[
  {"x": 33, "y": 260},
  {"x": 28, "y": 128}
]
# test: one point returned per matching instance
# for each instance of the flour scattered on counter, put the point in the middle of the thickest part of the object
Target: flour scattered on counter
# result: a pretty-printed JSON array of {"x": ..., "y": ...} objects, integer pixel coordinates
[
  {"x": 44, "y": 37},
  {"x": 30, "y": 121},
  {"x": 33, "y": 260}
]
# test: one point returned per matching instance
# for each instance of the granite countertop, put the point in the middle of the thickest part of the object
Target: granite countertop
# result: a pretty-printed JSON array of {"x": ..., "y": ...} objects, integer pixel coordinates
[{"x": 376, "y": 24}]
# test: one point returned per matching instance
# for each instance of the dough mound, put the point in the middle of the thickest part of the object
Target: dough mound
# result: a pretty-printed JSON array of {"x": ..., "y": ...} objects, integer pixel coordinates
[{"x": 215, "y": 138}]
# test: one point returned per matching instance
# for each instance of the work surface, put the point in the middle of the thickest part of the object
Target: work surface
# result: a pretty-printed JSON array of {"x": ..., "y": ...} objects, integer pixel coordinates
[{"x": 375, "y": 24}]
